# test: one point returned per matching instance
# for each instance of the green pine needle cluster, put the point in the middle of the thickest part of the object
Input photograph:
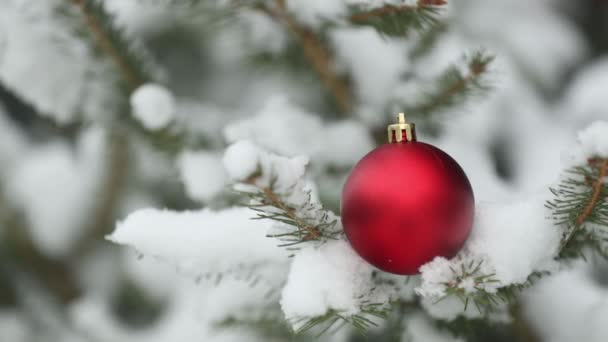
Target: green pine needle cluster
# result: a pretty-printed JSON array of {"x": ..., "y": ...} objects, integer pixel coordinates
[
  {"x": 452, "y": 87},
  {"x": 391, "y": 20},
  {"x": 580, "y": 206},
  {"x": 368, "y": 317},
  {"x": 306, "y": 222}
]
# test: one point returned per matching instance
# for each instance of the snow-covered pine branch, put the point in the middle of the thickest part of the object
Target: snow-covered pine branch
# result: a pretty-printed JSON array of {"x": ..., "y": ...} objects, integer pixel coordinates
[
  {"x": 580, "y": 203},
  {"x": 514, "y": 244},
  {"x": 455, "y": 85},
  {"x": 275, "y": 196}
]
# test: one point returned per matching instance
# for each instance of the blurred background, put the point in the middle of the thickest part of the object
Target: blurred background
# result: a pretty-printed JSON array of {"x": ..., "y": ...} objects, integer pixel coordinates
[{"x": 110, "y": 106}]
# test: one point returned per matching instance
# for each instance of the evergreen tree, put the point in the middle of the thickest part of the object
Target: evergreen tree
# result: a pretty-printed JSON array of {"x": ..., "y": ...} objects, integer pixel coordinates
[{"x": 171, "y": 170}]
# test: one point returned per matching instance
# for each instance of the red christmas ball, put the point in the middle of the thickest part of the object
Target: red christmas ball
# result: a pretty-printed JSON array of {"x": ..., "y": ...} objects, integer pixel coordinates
[{"x": 405, "y": 203}]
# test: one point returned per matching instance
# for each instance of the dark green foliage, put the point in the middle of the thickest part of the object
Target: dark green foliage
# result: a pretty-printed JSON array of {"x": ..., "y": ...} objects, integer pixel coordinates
[
  {"x": 135, "y": 307},
  {"x": 579, "y": 205},
  {"x": 477, "y": 330},
  {"x": 396, "y": 20},
  {"x": 333, "y": 320},
  {"x": 272, "y": 327}
]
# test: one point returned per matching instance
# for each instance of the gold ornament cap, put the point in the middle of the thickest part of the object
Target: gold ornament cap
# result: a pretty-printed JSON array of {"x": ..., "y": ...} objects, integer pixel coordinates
[{"x": 402, "y": 130}]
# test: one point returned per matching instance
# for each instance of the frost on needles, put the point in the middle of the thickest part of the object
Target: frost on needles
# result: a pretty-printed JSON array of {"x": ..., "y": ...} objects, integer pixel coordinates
[{"x": 324, "y": 282}]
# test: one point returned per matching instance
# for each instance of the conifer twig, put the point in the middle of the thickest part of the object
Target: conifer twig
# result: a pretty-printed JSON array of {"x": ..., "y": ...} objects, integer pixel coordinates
[
  {"x": 317, "y": 54},
  {"x": 398, "y": 20},
  {"x": 579, "y": 199},
  {"x": 304, "y": 221},
  {"x": 597, "y": 190},
  {"x": 453, "y": 86},
  {"x": 313, "y": 233},
  {"x": 381, "y": 11},
  {"x": 393, "y": 9}
]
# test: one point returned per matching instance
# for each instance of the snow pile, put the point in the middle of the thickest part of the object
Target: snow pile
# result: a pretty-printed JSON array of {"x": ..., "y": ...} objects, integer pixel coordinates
[
  {"x": 256, "y": 170},
  {"x": 202, "y": 173},
  {"x": 55, "y": 186},
  {"x": 594, "y": 139},
  {"x": 201, "y": 242},
  {"x": 42, "y": 53},
  {"x": 246, "y": 162},
  {"x": 509, "y": 242},
  {"x": 570, "y": 306},
  {"x": 332, "y": 277},
  {"x": 420, "y": 329},
  {"x": 285, "y": 129},
  {"x": 586, "y": 99},
  {"x": 153, "y": 106}
]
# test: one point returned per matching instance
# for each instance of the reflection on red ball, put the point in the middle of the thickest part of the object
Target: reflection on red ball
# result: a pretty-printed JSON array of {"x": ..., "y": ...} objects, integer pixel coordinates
[{"x": 406, "y": 203}]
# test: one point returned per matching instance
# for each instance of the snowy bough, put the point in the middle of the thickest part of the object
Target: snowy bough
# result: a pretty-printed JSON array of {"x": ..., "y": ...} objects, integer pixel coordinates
[
  {"x": 292, "y": 245},
  {"x": 233, "y": 125}
]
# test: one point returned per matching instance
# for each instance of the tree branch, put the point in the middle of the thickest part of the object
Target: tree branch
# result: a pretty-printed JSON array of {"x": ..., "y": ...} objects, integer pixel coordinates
[
  {"x": 313, "y": 233},
  {"x": 110, "y": 191},
  {"x": 453, "y": 86},
  {"x": 131, "y": 75},
  {"x": 596, "y": 191},
  {"x": 381, "y": 11},
  {"x": 317, "y": 54}
]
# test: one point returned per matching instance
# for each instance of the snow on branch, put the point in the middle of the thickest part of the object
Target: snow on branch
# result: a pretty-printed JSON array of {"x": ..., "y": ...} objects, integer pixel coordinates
[
  {"x": 509, "y": 242},
  {"x": 513, "y": 244},
  {"x": 203, "y": 243},
  {"x": 330, "y": 286},
  {"x": 452, "y": 87},
  {"x": 580, "y": 199},
  {"x": 277, "y": 191}
]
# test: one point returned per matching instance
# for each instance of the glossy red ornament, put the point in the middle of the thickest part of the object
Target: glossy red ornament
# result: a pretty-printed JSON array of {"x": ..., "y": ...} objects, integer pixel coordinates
[{"x": 405, "y": 203}]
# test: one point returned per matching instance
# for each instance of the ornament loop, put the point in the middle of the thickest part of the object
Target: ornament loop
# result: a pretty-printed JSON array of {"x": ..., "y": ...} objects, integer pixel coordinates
[{"x": 402, "y": 130}]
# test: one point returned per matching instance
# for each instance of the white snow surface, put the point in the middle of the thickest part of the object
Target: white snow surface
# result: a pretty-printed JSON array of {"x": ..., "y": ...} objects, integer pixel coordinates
[
  {"x": 594, "y": 139},
  {"x": 420, "y": 329},
  {"x": 201, "y": 242},
  {"x": 585, "y": 99},
  {"x": 286, "y": 129},
  {"x": 202, "y": 173},
  {"x": 243, "y": 160},
  {"x": 41, "y": 53},
  {"x": 332, "y": 277},
  {"x": 376, "y": 69},
  {"x": 54, "y": 186},
  {"x": 153, "y": 106},
  {"x": 569, "y": 306},
  {"x": 511, "y": 240}
]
